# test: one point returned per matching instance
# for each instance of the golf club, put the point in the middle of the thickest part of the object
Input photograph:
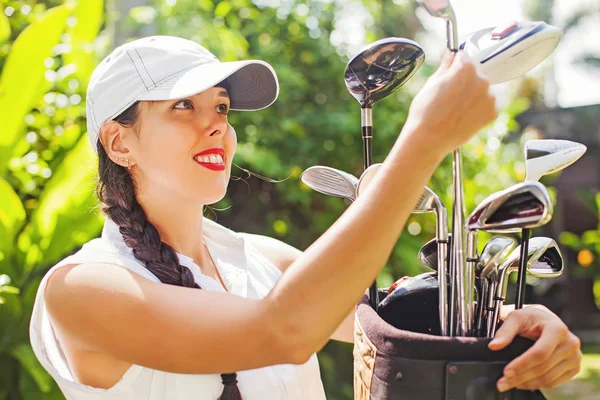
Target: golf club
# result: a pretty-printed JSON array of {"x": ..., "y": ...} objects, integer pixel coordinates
[
  {"x": 524, "y": 205},
  {"x": 492, "y": 255},
  {"x": 510, "y": 50},
  {"x": 330, "y": 181},
  {"x": 374, "y": 73},
  {"x": 427, "y": 202},
  {"x": 443, "y": 9},
  {"x": 543, "y": 157},
  {"x": 413, "y": 304},
  {"x": 544, "y": 260}
]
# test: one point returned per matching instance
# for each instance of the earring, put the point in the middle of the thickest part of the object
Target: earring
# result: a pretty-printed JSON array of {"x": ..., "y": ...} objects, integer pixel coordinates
[{"x": 122, "y": 159}]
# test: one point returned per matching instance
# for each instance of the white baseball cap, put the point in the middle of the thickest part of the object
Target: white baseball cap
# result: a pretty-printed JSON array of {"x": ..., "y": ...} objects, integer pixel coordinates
[{"x": 168, "y": 68}]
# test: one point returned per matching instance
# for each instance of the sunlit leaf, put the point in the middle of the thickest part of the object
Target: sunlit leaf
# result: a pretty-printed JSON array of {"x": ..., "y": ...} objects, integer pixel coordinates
[
  {"x": 12, "y": 218},
  {"x": 26, "y": 59},
  {"x": 65, "y": 217},
  {"x": 570, "y": 240},
  {"x": 4, "y": 27},
  {"x": 87, "y": 17}
]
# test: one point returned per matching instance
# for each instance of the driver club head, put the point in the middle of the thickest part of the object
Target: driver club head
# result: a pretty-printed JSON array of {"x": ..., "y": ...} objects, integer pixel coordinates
[
  {"x": 524, "y": 205},
  {"x": 546, "y": 156},
  {"x": 413, "y": 304},
  {"x": 381, "y": 68},
  {"x": 330, "y": 181},
  {"x": 510, "y": 50}
]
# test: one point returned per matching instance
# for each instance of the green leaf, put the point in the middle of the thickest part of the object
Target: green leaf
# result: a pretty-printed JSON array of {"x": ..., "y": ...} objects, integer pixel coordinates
[
  {"x": 64, "y": 217},
  {"x": 570, "y": 240},
  {"x": 223, "y": 9},
  {"x": 26, "y": 357},
  {"x": 12, "y": 215},
  {"x": 590, "y": 237},
  {"x": 4, "y": 27},
  {"x": 87, "y": 17},
  {"x": 9, "y": 290},
  {"x": 23, "y": 82}
]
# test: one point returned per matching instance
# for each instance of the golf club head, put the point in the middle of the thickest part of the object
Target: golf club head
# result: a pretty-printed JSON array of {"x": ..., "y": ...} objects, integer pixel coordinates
[
  {"x": 330, "y": 181},
  {"x": 443, "y": 9},
  {"x": 381, "y": 68},
  {"x": 546, "y": 156},
  {"x": 428, "y": 202},
  {"x": 544, "y": 260},
  {"x": 510, "y": 50},
  {"x": 524, "y": 205},
  {"x": 438, "y": 8},
  {"x": 413, "y": 304},
  {"x": 428, "y": 254},
  {"x": 366, "y": 178},
  {"x": 492, "y": 255}
]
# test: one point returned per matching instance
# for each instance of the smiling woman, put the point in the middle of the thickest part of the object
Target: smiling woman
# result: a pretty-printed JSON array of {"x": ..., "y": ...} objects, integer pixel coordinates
[{"x": 123, "y": 318}]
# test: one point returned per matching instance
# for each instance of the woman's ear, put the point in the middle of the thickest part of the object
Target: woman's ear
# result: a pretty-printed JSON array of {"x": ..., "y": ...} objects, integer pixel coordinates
[{"x": 111, "y": 136}]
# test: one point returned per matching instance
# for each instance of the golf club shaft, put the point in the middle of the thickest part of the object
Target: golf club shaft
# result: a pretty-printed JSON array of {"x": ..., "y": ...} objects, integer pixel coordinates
[
  {"x": 367, "y": 131},
  {"x": 443, "y": 284},
  {"x": 491, "y": 288},
  {"x": 452, "y": 33},
  {"x": 482, "y": 292},
  {"x": 458, "y": 212},
  {"x": 442, "y": 245},
  {"x": 458, "y": 246},
  {"x": 521, "y": 279},
  {"x": 470, "y": 264}
]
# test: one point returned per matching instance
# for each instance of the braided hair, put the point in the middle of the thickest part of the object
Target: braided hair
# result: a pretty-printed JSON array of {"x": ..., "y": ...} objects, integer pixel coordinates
[{"x": 116, "y": 192}]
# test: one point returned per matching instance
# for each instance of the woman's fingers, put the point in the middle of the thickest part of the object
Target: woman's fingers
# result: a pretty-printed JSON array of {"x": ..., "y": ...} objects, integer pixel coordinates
[
  {"x": 552, "y": 358},
  {"x": 566, "y": 358}
]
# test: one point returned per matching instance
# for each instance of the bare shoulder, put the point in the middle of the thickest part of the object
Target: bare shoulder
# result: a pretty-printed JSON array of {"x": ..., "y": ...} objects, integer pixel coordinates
[
  {"x": 281, "y": 254},
  {"x": 110, "y": 310}
]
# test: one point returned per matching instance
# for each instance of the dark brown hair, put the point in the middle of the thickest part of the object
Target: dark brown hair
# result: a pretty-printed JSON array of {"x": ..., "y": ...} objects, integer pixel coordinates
[{"x": 116, "y": 192}]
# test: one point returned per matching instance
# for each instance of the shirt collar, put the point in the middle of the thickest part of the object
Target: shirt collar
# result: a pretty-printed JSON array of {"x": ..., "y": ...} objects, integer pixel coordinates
[{"x": 226, "y": 249}]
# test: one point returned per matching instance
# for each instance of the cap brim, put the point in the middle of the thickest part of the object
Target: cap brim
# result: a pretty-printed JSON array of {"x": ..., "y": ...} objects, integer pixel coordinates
[{"x": 253, "y": 83}]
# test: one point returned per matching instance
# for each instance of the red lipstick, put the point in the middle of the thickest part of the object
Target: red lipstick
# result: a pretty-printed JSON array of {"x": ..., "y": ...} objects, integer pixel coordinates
[{"x": 212, "y": 151}]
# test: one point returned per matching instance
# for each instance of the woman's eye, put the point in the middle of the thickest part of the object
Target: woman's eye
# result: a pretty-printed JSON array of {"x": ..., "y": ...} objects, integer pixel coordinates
[
  {"x": 187, "y": 105},
  {"x": 223, "y": 109}
]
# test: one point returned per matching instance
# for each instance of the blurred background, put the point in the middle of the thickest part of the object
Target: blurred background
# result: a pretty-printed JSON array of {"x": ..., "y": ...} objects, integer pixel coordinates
[{"x": 48, "y": 209}]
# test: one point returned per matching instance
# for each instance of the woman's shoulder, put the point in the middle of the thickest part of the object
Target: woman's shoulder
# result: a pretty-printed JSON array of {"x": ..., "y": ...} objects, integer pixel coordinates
[{"x": 98, "y": 250}]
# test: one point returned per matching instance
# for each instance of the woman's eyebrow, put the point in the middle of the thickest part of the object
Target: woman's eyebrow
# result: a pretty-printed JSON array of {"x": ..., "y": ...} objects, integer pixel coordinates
[{"x": 223, "y": 93}]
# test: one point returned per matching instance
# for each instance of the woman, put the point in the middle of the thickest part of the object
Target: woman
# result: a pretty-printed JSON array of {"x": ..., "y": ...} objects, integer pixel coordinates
[{"x": 122, "y": 318}]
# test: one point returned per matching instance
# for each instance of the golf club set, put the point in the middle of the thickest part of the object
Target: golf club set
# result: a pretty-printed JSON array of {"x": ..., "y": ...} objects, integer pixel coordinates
[{"x": 459, "y": 274}]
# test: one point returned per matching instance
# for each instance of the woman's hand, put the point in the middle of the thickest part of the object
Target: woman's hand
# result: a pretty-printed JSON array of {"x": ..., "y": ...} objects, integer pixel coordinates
[
  {"x": 554, "y": 358},
  {"x": 454, "y": 104}
]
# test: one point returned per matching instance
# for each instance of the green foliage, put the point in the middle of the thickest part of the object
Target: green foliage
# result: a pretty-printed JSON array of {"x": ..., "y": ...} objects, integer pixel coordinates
[{"x": 46, "y": 191}]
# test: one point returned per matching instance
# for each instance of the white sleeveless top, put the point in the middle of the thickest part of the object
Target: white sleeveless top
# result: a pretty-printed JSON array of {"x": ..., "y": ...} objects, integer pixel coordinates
[{"x": 244, "y": 271}]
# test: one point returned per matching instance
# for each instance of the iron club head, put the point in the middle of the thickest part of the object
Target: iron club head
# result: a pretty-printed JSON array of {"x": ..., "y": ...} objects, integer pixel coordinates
[
  {"x": 330, "y": 181},
  {"x": 524, "y": 205}
]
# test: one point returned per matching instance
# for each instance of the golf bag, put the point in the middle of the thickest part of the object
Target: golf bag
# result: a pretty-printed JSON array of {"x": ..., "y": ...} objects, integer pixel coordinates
[{"x": 392, "y": 363}]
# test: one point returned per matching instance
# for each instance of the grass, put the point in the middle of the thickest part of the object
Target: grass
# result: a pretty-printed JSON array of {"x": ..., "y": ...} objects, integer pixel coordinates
[{"x": 586, "y": 384}]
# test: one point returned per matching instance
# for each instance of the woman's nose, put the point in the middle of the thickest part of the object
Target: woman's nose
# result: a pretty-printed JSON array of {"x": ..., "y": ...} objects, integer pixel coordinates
[{"x": 216, "y": 127}]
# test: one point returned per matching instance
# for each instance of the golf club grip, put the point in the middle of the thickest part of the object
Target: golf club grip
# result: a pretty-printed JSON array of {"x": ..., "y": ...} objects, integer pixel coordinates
[{"x": 520, "y": 297}]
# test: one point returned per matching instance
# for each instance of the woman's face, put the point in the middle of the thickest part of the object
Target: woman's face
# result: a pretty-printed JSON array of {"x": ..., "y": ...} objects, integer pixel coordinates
[{"x": 171, "y": 133}]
